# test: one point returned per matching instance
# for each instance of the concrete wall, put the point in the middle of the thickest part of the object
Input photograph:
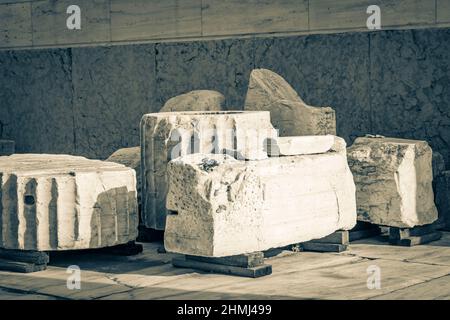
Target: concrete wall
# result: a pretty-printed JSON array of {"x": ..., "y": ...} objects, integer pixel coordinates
[
  {"x": 42, "y": 23},
  {"x": 89, "y": 101}
]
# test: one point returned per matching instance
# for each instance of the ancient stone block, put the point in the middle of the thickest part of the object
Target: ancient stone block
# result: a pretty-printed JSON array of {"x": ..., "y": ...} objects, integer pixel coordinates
[
  {"x": 165, "y": 136},
  {"x": 130, "y": 157},
  {"x": 290, "y": 146},
  {"x": 267, "y": 91},
  {"x": 393, "y": 180},
  {"x": 62, "y": 202},
  {"x": 7, "y": 147},
  {"x": 220, "y": 206},
  {"x": 197, "y": 100}
]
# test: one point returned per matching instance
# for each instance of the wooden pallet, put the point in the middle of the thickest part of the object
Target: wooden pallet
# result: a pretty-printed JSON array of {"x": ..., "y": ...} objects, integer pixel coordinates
[
  {"x": 409, "y": 237},
  {"x": 335, "y": 242},
  {"x": 245, "y": 265},
  {"x": 364, "y": 230},
  {"x": 23, "y": 260}
]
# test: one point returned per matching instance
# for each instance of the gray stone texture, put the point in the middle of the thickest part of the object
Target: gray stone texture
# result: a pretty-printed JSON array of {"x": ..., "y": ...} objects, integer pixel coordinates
[
  {"x": 325, "y": 70},
  {"x": 410, "y": 92},
  {"x": 88, "y": 101},
  {"x": 7, "y": 147},
  {"x": 114, "y": 87},
  {"x": 222, "y": 65},
  {"x": 36, "y": 100}
]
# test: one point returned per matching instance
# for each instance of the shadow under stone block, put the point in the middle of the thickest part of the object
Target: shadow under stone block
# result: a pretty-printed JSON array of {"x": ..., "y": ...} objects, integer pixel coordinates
[{"x": 413, "y": 236}]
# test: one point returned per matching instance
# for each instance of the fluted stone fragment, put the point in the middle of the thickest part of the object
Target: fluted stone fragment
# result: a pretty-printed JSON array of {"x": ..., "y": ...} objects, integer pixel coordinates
[
  {"x": 220, "y": 206},
  {"x": 62, "y": 202},
  {"x": 267, "y": 91},
  {"x": 165, "y": 136},
  {"x": 393, "y": 180}
]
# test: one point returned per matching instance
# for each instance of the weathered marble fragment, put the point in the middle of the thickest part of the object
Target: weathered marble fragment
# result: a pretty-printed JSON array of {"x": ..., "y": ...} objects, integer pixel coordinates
[
  {"x": 62, "y": 202},
  {"x": 393, "y": 180},
  {"x": 166, "y": 136},
  {"x": 130, "y": 157},
  {"x": 7, "y": 147},
  {"x": 197, "y": 100},
  {"x": 220, "y": 206},
  {"x": 290, "y": 146},
  {"x": 267, "y": 91}
]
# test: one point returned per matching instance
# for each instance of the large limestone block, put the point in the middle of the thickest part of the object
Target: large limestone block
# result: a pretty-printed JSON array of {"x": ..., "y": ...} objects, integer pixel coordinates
[
  {"x": 267, "y": 91},
  {"x": 62, "y": 202},
  {"x": 220, "y": 206},
  {"x": 130, "y": 157},
  {"x": 166, "y": 136},
  {"x": 393, "y": 180},
  {"x": 197, "y": 100}
]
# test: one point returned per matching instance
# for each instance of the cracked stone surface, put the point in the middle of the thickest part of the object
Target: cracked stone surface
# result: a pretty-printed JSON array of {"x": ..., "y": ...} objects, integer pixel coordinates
[
  {"x": 62, "y": 202},
  {"x": 197, "y": 100},
  {"x": 393, "y": 180},
  {"x": 237, "y": 207},
  {"x": 268, "y": 91},
  {"x": 165, "y": 136}
]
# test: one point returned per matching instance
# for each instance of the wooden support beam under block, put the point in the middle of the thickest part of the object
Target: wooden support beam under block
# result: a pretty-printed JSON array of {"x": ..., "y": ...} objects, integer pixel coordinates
[
  {"x": 413, "y": 236},
  {"x": 246, "y": 265},
  {"x": 338, "y": 237},
  {"x": 335, "y": 242},
  {"x": 323, "y": 247},
  {"x": 17, "y": 266},
  {"x": 37, "y": 257},
  {"x": 364, "y": 230},
  {"x": 23, "y": 261}
]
